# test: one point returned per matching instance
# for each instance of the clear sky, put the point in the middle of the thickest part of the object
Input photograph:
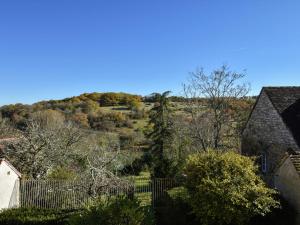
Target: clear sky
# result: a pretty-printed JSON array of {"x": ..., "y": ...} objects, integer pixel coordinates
[{"x": 53, "y": 49}]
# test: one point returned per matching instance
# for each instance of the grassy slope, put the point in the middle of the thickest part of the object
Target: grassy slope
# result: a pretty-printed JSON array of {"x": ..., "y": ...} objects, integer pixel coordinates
[{"x": 143, "y": 187}]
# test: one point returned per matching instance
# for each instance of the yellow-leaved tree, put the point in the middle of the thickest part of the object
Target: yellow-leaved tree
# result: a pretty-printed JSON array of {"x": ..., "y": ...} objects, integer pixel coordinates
[{"x": 224, "y": 188}]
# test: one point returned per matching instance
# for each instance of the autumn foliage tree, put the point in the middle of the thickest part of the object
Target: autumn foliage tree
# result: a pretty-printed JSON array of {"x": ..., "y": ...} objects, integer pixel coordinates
[{"x": 212, "y": 95}]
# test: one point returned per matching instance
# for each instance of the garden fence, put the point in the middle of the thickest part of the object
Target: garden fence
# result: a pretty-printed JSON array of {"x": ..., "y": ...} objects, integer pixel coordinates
[
  {"x": 72, "y": 195},
  {"x": 51, "y": 194}
]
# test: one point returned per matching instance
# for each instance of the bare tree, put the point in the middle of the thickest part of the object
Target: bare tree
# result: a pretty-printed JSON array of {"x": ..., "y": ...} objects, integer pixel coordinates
[
  {"x": 180, "y": 141},
  {"x": 39, "y": 148},
  {"x": 102, "y": 160},
  {"x": 7, "y": 130},
  {"x": 49, "y": 143},
  {"x": 208, "y": 102}
]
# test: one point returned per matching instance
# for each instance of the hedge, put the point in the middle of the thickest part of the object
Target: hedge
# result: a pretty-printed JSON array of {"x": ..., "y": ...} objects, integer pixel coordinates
[{"x": 34, "y": 216}]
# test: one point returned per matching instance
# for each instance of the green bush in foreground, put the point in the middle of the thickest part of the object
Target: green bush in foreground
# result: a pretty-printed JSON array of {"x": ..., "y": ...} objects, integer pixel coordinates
[
  {"x": 115, "y": 211},
  {"x": 223, "y": 188},
  {"x": 287, "y": 214},
  {"x": 112, "y": 211},
  {"x": 33, "y": 216},
  {"x": 173, "y": 211}
]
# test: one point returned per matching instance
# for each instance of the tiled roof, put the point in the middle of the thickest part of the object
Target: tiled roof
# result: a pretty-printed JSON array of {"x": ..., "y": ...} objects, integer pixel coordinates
[
  {"x": 291, "y": 117},
  {"x": 295, "y": 158},
  {"x": 286, "y": 101},
  {"x": 282, "y": 97}
]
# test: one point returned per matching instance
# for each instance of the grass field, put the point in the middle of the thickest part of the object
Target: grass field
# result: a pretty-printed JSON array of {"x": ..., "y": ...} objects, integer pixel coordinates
[{"x": 143, "y": 187}]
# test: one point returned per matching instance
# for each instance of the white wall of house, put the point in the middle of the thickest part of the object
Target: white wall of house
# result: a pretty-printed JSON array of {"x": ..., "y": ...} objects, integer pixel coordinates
[{"x": 9, "y": 186}]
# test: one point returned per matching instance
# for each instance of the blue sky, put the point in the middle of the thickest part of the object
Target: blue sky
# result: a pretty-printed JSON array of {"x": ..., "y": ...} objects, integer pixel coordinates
[{"x": 58, "y": 48}]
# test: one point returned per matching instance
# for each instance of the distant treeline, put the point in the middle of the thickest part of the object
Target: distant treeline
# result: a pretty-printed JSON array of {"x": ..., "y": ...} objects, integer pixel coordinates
[
  {"x": 151, "y": 98},
  {"x": 84, "y": 102},
  {"x": 85, "y": 109}
]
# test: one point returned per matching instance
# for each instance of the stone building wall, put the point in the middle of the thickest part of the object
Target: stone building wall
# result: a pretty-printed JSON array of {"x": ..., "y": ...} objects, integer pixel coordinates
[
  {"x": 266, "y": 132},
  {"x": 287, "y": 182}
]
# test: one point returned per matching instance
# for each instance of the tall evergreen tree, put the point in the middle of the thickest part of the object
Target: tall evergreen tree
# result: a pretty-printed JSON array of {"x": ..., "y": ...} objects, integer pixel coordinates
[{"x": 160, "y": 119}]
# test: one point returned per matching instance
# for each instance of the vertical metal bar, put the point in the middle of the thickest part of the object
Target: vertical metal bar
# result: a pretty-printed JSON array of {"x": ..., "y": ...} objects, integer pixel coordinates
[
  {"x": 29, "y": 191},
  {"x": 27, "y": 194},
  {"x": 43, "y": 198},
  {"x": 22, "y": 193},
  {"x": 55, "y": 194}
]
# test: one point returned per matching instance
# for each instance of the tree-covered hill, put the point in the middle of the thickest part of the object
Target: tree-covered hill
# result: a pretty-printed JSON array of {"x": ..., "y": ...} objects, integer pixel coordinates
[{"x": 85, "y": 110}]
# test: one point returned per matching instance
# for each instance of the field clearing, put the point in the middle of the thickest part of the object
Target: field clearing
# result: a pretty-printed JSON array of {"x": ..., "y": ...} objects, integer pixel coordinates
[
  {"x": 142, "y": 184},
  {"x": 122, "y": 109}
]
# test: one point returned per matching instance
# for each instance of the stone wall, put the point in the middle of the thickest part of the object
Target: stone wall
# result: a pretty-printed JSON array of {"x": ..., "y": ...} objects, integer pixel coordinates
[{"x": 287, "y": 182}]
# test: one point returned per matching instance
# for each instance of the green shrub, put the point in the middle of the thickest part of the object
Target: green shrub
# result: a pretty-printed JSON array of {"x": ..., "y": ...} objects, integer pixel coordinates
[
  {"x": 286, "y": 214},
  {"x": 134, "y": 168},
  {"x": 171, "y": 210},
  {"x": 223, "y": 188},
  {"x": 112, "y": 99},
  {"x": 33, "y": 216},
  {"x": 138, "y": 113},
  {"x": 114, "y": 211}
]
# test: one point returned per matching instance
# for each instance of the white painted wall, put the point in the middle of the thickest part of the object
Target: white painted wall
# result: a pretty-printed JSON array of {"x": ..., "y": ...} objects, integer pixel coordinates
[{"x": 9, "y": 193}]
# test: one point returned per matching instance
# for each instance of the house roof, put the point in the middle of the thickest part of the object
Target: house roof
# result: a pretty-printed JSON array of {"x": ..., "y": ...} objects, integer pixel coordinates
[
  {"x": 286, "y": 100},
  {"x": 10, "y": 165},
  {"x": 282, "y": 97},
  {"x": 295, "y": 158}
]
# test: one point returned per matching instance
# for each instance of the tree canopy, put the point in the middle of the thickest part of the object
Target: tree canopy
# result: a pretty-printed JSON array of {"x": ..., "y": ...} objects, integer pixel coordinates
[{"x": 223, "y": 188}]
